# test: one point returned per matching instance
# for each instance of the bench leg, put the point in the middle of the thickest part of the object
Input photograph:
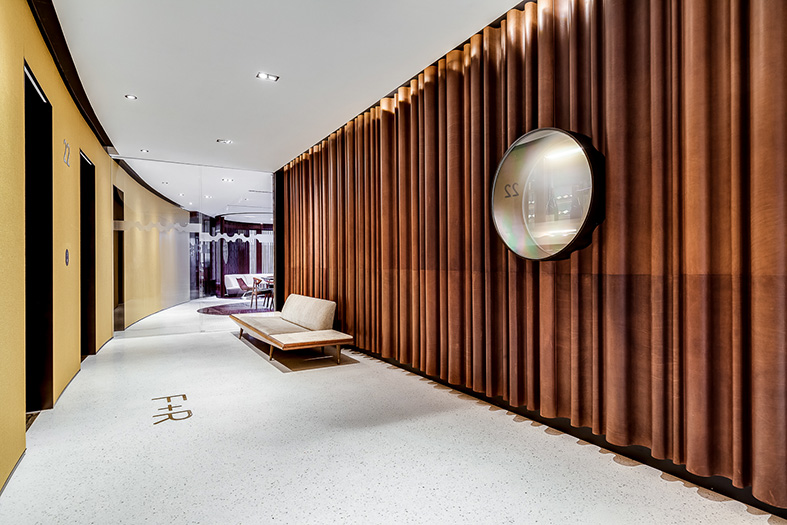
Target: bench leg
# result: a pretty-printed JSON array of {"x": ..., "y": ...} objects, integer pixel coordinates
[
  {"x": 240, "y": 335},
  {"x": 339, "y": 354},
  {"x": 270, "y": 354}
]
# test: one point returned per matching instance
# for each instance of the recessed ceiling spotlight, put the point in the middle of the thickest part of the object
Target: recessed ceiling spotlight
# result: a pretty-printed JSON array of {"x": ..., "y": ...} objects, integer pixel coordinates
[
  {"x": 224, "y": 141},
  {"x": 182, "y": 194},
  {"x": 191, "y": 203},
  {"x": 164, "y": 182},
  {"x": 267, "y": 76},
  {"x": 131, "y": 97},
  {"x": 226, "y": 180},
  {"x": 144, "y": 151},
  {"x": 208, "y": 197}
]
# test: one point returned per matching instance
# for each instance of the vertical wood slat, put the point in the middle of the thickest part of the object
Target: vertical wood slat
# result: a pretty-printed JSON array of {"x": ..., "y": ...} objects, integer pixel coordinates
[
  {"x": 768, "y": 221},
  {"x": 388, "y": 274},
  {"x": 659, "y": 129},
  {"x": 467, "y": 223},
  {"x": 341, "y": 240},
  {"x": 375, "y": 145},
  {"x": 739, "y": 244},
  {"x": 442, "y": 218},
  {"x": 515, "y": 127},
  {"x": 416, "y": 340},
  {"x": 422, "y": 299},
  {"x": 478, "y": 218},
  {"x": 370, "y": 221},
  {"x": 530, "y": 41},
  {"x": 362, "y": 253},
  {"x": 453, "y": 193},
  {"x": 332, "y": 209},
  {"x": 495, "y": 251},
  {"x": 676, "y": 221},
  {"x": 404, "y": 218},
  {"x": 548, "y": 394},
  {"x": 430, "y": 223}
]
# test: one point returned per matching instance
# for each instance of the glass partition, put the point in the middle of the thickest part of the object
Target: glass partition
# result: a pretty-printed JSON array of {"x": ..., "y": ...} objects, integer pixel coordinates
[{"x": 218, "y": 222}]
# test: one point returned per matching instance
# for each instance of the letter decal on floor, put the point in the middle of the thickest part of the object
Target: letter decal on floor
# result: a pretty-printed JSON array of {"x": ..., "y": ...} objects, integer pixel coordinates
[{"x": 171, "y": 415}]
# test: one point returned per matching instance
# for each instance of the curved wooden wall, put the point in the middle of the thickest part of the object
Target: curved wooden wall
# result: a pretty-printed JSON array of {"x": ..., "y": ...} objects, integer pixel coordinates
[{"x": 669, "y": 331}]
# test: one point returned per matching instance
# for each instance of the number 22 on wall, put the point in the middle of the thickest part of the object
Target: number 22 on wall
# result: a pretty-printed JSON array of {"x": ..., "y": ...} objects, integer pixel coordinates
[{"x": 511, "y": 187}]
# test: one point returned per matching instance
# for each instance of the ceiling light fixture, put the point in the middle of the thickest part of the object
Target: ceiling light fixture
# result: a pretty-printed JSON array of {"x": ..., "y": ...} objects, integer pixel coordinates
[
  {"x": 164, "y": 182},
  {"x": 181, "y": 194},
  {"x": 208, "y": 197},
  {"x": 144, "y": 151},
  {"x": 224, "y": 141},
  {"x": 267, "y": 76},
  {"x": 131, "y": 97},
  {"x": 226, "y": 180}
]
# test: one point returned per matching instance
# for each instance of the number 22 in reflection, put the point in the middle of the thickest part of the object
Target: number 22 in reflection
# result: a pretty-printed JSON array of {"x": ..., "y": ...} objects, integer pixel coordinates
[{"x": 512, "y": 187}]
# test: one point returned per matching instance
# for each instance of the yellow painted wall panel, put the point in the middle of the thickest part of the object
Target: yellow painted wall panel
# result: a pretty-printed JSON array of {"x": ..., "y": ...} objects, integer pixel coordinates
[
  {"x": 68, "y": 128},
  {"x": 12, "y": 240},
  {"x": 105, "y": 299}
]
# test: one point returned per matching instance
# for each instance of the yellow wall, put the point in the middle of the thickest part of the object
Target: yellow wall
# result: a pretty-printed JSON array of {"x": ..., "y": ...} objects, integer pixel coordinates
[
  {"x": 12, "y": 239},
  {"x": 156, "y": 268}
]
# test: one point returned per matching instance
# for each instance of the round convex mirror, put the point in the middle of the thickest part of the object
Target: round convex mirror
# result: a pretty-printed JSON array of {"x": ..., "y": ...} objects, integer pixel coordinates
[{"x": 546, "y": 194}]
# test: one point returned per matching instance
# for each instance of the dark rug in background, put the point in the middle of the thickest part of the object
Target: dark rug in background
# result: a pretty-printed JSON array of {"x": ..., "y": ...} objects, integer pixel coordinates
[{"x": 232, "y": 308}]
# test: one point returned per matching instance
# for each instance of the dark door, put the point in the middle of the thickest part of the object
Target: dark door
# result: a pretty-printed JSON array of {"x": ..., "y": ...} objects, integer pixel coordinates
[
  {"x": 87, "y": 250},
  {"x": 118, "y": 212},
  {"x": 38, "y": 247}
]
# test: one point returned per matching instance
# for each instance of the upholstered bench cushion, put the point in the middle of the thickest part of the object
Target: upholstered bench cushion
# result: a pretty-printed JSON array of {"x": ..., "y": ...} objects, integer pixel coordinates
[
  {"x": 291, "y": 341},
  {"x": 311, "y": 313},
  {"x": 270, "y": 325}
]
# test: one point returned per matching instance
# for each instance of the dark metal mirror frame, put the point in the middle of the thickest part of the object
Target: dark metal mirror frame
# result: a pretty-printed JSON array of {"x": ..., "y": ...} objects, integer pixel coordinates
[{"x": 595, "y": 215}]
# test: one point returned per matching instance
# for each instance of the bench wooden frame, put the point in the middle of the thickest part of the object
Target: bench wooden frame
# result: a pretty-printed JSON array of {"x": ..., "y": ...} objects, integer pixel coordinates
[{"x": 298, "y": 340}]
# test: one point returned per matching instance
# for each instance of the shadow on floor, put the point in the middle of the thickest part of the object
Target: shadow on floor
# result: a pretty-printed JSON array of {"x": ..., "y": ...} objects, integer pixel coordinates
[{"x": 298, "y": 360}]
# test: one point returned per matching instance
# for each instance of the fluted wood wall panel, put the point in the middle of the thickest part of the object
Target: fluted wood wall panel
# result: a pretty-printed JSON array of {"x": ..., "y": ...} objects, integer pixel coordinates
[{"x": 668, "y": 331}]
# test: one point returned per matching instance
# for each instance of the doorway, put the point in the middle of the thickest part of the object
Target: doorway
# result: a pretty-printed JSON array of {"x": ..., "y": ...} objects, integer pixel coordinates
[
  {"x": 38, "y": 247},
  {"x": 118, "y": 212},
  {"x": 87, "y": 250}
]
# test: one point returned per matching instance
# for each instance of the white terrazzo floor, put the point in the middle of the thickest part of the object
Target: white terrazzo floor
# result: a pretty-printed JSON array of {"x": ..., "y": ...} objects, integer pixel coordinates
[{"x": 361, "y": 442}]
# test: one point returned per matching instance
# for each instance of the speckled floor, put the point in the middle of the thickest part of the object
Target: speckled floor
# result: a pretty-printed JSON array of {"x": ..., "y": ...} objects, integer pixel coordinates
[{"x": 361, "y": 442}]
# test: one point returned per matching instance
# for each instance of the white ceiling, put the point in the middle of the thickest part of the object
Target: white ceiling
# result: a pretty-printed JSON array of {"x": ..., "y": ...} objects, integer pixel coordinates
[
  {"x": 192, "y": 65},
  {"x": 240, "y": 195}
]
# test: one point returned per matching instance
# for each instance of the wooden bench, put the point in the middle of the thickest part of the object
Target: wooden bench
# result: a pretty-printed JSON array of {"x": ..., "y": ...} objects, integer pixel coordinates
[{"x": 304, "y": 322}]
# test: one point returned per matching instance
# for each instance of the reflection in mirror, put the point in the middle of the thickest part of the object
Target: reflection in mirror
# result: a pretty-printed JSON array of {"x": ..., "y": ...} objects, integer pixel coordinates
[{"x": 543, "y": 194}]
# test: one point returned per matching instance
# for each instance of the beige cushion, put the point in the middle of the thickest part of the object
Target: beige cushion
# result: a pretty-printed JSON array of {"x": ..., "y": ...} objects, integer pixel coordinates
[
  {"x": 311, "y": 313},
  {"x": 269, "y": 324},
  {"x": 311, "y": 339}
]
